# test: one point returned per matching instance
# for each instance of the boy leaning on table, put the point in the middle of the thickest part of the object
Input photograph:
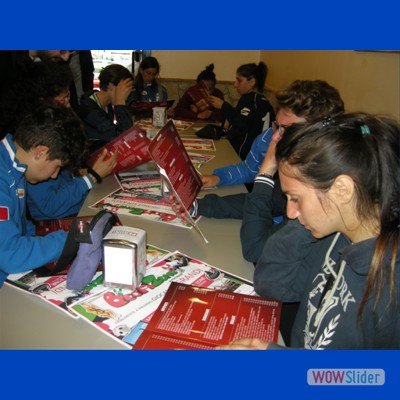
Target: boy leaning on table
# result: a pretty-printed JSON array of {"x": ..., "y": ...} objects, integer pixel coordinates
[{"x": 49, "y": 138}]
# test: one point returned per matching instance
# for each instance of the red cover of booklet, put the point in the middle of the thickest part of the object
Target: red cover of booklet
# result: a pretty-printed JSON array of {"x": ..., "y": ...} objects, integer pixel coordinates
[
  {"x": 177, "y": 170},
  {"x": 199, "y": 95},
  {"x": 132, "y": 146},
  {"x": 190, "y": 317},
  {"x": 168, "y": 152}
]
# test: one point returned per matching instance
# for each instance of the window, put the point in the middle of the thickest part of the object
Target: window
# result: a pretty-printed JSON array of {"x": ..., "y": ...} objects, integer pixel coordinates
[{"x": 127, "y": 58}]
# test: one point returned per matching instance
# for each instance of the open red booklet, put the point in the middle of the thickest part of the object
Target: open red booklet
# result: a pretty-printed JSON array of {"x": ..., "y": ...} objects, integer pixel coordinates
[
  {"x": 191, "y": 317},
  {"x": 132, "y": 148},
  {"x": 177, "y": 170},
  {"x": 199, "y": 95}
]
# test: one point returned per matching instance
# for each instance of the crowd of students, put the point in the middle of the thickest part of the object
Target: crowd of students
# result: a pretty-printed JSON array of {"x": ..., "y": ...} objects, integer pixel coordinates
[{"x": 321, "y": 223}]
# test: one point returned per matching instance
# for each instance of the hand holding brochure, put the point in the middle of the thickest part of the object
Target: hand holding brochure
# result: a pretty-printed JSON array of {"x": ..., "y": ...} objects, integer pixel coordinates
[
  {"x": 191, "y": 317},
  {"x": 132, "y": 148},
  {"x": 199, "y": 95}
]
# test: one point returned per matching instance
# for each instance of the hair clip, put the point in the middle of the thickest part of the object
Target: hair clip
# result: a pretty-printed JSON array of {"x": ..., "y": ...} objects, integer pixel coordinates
[
  {"x": 327, "y": 121},
  {"x": 365, "y": 130}
]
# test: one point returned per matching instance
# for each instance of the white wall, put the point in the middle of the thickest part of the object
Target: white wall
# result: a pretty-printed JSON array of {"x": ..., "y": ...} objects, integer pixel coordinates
[{"x": 187, "y": 64}]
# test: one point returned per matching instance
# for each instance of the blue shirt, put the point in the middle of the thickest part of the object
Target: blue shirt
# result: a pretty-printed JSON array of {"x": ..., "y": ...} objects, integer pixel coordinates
[
  {"x": 245, "y": 171},
  {"x": 20, "y": 250}
]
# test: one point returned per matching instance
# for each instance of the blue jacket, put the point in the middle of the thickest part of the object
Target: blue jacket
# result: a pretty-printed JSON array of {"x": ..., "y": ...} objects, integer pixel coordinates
[
  {"x": 58, "y": 198},
  {"x": 20, "y": 250},
  {"x": 245, "y": 171}
]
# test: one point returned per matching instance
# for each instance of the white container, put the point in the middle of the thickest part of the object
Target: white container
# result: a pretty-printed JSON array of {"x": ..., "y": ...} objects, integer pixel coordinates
[
  {"x": 159, "y": 116},
  {"x": 124, "y": 257}
]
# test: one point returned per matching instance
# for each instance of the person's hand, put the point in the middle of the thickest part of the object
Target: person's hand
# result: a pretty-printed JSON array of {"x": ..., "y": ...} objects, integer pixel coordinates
[
  {"x": 194, "y": 109},
  {"x": 177, "y": 207},
  {"x": 269, "y": 165},
  {"x": 204, "y": 114},
  {"x": 216, "y": 102},
  {"x": 209, "y": 181},
  {"x": 105, "y": 167},
  {"x": 170, "y": 112},
  {"x": 245, "y": 344},
  {"x": 122, "y": 91}
]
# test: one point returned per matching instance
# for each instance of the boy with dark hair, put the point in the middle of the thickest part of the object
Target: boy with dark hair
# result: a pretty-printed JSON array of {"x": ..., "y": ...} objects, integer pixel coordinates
[
  {"x": 98, "y": 108},
  {"x": 48, "y": 138}
]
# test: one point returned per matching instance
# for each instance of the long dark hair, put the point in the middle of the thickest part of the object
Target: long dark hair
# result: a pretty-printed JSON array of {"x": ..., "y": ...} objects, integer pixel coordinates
[
  {"x": 148, "y": 62},
  {"x": 366, "y": 148},
  {"x": 257, "y": 71}
]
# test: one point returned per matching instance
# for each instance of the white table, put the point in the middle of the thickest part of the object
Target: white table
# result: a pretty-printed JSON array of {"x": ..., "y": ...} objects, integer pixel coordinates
[{"x": 28, "y": 322}]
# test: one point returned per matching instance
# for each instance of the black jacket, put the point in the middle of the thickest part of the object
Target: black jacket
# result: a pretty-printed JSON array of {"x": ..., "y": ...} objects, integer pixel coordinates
[
  {"x": 99, "y": 124},
  {"x": 252, "y": 115}
]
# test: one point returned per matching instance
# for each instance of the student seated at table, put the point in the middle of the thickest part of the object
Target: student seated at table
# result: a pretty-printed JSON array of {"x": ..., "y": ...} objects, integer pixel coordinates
[
  {"x": 99, "y": 108},
  {"x": 339, "y": 253},
  {"x": 146, "y": 86},
  {"x": 302, "y": 101},
  {"x": 263, "y": 210},
  {"x": 253, "y": 113},
  {"x": 49, "y": 138},
  {"x": 186, "y": 107},
  {"x": 63, "y": 196},
  {"x": 36, "y": 81}
]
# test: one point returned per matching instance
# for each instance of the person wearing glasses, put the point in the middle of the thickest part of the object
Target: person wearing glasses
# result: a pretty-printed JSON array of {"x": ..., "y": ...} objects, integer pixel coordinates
[
  {"x": 263, "y": 209},
  {"x": 303, "y": 100},
  {"x": 294, "y": 104}
]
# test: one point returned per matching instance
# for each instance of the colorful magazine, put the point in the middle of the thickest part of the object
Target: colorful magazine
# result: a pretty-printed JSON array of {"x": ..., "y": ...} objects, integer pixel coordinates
[
  {"x": 150, "y": 206},
  {"x": 53, "y": 289},
  {"x": 140, "y": 182},
  {"x": 198, "y": 144},
  {"x": 146, "y": 124},
  {"x": 199, "y": 159},
  {"x": 123, "y": 314}
]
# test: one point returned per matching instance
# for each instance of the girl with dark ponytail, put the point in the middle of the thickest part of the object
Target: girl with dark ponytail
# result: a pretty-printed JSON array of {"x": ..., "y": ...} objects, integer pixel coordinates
[
  {"x": 253, "y": 114},
  {"x": 187, "y": 108}
]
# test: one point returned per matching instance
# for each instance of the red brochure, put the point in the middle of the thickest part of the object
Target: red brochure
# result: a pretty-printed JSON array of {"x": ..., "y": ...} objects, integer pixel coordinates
[
  {"x": 191, "y": 317},
  {"x": 132, "y": 147},
  {"x": 199, "y": 95},
  {"x": 168, "y": 152}
]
